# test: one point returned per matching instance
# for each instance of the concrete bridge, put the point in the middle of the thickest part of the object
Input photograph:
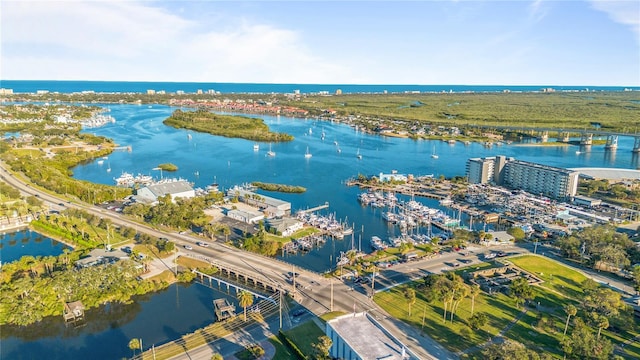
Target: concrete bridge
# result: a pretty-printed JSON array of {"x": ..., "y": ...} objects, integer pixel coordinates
[{"x": 586, "y": 136}]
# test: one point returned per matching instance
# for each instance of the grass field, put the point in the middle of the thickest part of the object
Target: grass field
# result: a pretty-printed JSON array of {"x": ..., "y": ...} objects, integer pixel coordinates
[
  {"x": 304, "y": 335},
  {"x": 556, "y": 276},
  {"x": 561, "y": 286},
  {"x": 455, "y": 336}
]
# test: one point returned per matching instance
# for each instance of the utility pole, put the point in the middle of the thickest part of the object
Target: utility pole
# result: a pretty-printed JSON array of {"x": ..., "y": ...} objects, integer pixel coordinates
[
  {"x": 331, "y": 308},
  {"x": 280, "y": 305},
  {"x": 373, "y": 283}
]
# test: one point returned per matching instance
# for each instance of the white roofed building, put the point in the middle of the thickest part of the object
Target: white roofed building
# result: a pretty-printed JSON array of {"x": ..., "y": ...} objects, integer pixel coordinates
[
  {"x": 284, "y": 226},
  {"x": 177, "y": 189}
]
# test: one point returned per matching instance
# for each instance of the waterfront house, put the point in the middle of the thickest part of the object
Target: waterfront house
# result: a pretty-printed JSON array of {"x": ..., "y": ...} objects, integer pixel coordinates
[{"x": 284, "y": 226}]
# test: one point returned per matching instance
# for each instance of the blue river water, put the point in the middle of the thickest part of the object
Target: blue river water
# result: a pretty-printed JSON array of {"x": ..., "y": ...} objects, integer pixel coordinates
[{"x": 204, "y": 159}]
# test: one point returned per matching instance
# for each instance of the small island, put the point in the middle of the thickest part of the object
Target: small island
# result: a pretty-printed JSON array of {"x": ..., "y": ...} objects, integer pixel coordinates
[
  {"x": 279, "y": 187},
  {"x": 168, "y": 167},
  {"x": 231, "y": 126}
]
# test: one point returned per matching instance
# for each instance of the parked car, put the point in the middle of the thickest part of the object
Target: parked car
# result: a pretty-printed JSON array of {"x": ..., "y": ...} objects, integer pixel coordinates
[{"x": 126, "y": 249}]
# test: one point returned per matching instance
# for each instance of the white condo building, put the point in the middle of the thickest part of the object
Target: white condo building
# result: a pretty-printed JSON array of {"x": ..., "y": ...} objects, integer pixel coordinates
[{"x": 554, "y": 182}]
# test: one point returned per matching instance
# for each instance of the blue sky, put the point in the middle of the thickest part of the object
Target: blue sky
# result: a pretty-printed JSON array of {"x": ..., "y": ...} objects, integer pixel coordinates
[{"x": 517, "y": 42}]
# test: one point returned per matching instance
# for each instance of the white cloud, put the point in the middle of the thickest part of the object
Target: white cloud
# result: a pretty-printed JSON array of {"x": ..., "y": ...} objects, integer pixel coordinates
[
  {"x": 129, "y": 40},
  {"x": 626, "y": 12}
]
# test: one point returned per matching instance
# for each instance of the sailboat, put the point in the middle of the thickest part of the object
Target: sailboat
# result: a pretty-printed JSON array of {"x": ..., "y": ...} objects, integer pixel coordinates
[
  {"x": 434, "y": 155},
  {"x": 271, "y": 153},
  {"x": 109, "y": 167},
  {"x": 307, "y": 154},
  {"x": 358, "y": 155},
  {"x": 256, "y": 147}
]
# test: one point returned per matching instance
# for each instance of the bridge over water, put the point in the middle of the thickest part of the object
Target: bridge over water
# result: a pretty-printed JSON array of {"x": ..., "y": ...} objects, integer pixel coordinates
[{"x": 586, "y": 135}]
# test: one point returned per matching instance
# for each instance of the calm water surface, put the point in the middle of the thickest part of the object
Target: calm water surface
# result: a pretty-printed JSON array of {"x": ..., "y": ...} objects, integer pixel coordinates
[{"x": 16, "y": 244}]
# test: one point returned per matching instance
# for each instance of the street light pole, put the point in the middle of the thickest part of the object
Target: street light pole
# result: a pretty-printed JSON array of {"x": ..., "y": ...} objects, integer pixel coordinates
[{"x": 331, "y": 294}]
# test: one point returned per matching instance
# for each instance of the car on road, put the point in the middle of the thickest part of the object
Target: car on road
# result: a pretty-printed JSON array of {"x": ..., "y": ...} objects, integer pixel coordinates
[
  {"x": 188, "y": 247},
  {"x": 202, "y": 243},
  {"x": 490, "y": 255},
  {"x": 60, "y": 204},
  {"x": 299, "y": 312},
  {"x": 126, "y": 249}
]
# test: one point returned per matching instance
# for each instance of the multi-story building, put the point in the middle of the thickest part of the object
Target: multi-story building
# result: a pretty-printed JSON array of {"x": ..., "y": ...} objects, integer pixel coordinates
[
  {"x": 540, "y": 179},
  {"x": 535, "y": 178}
]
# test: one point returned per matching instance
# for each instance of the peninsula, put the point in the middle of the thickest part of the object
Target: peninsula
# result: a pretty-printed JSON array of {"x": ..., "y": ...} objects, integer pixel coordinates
[{"x": 225, "y": 125}]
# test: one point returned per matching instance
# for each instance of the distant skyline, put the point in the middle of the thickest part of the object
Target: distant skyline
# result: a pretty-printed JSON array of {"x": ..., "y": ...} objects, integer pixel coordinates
[{"x": 518, "y": 42}]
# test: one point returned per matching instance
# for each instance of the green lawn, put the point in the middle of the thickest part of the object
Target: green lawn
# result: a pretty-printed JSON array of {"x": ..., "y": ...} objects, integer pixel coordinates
[
  {"x": 304, "y": 335},
  {"x": 556, "y": 276},
  {"x": 561, "y": 287},
  {"x": 282, "y": 352},
  {"x": 455, "y": 336}
]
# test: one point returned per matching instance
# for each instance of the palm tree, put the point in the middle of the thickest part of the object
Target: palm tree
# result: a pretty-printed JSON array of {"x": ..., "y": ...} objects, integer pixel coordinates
[
  {"x": 245, "y": 299},
  {"x": 571, "y": 311},
  {"x": 410, "y": 295},
  {"x": 603, "y": 323},
  {"x": 134, "y": 344},
  {"x": 473, "y": 292}
]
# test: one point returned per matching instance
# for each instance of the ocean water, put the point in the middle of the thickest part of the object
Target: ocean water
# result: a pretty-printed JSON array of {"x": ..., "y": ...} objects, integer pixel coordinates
[{"x": 31, "y": 86}]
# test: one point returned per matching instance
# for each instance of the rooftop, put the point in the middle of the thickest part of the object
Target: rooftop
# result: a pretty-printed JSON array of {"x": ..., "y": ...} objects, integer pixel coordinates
[
  {"x": 609, "y": 173},
  {"x": 367, "y": 338}
]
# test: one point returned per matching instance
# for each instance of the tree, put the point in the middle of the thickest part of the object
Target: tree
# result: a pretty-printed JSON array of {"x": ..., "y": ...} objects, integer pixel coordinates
[
  {"x": 474, "y": 290},
  {"x": 134, "y": 345},
  {"x": 511, "y": 350},
  {"x": 582, "y": 344},
  {"x": 245, "y": 299},
  {"x": 410, "y": 295},
  {"x": 478, "y": 320},
  {"x": 571, "y": 311},
  {"x": 521, "y": 290},
  {"x": 602, "y": 323},
  {"x": 321, "y": 348}
]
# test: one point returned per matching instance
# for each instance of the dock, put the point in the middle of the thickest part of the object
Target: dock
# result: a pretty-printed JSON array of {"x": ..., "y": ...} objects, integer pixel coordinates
[
  {"x": 313, "y": 209},
  {"x": 223, "y": 309}
]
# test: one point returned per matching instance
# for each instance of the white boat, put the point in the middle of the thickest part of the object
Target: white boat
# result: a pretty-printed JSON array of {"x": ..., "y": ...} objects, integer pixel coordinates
[
  {"x": 339, "y": 150},
  {"x": 433, "y": 154},
  {"x": 100, "y": 162},
  {"x": 189, "y": 136},
  {"x": 310, "y": 131},
  {"x": 307, "y": 154},
  {"x": 271, "y": 153},
  {"x": 256, "y": 147},
  {"x": 578, "y": 152},
  {"x": 358, "y": 155}
]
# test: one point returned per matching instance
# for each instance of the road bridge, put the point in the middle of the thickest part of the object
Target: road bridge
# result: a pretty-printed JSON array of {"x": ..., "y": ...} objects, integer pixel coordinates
[{"x": 586, "y": 135}]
